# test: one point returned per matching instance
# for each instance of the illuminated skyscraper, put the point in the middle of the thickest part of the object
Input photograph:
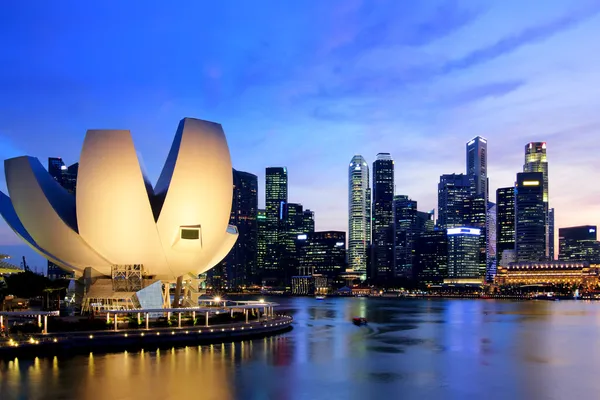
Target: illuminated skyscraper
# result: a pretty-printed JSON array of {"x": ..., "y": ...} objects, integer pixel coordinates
[
  {"x": 530, "y": 217},
  {"x": 452, "y": 190},
  {"x": 322, "y": 253},
  {"x": 261, "y": 222},
  {"x": 491, "y": 238},
  {"x": 359, "y": 215},
  {"x": 383, "y": 216},
  {"x": 308, "y": 221},
  {"x": 276, "y": 198},
  {"x": 477, "y": 166},
  {"x": 579, "y": 243},
  {"x": 464, "y": 249},
  {"x": 537, "y": 161},
  {"x": 505, "y": 221},
  {"x": 475, "y": 216}
]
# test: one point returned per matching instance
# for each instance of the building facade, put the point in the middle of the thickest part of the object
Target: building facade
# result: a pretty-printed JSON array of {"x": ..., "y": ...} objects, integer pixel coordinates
[
  {"x": 536, "y": 161},
  {"x": 578, "y": 243},
  {"x": 464, "y": 253},
  {"x": 239, "y": 268},
  {"x": 491, "y": 254},
  {"x": 322, "y": 253},
  {"x": 383, "y": 218},
  {"x": 530, "y": 217},
  {"x": 452, "y": 190},
  {"x": 276, "y": 199},
  {"x": 505, "y": 221},
  {"x": 551, "y": 236},
  {"x": 571, "y": 273},
  {"x": 261, "y": 248},
  {"x": 308, "y": 221},
  {"x": 477, "y": 166},
  {"x": 431, "y": 257},
  {"x": 406, "y": 230},
  {"x": 359, "y": 215},
  {"x": 475, "y": 216}
]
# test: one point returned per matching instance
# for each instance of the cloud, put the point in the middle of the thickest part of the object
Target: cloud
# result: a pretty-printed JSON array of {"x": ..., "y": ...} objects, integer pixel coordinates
[
  {"x": 531, "y": 35},
  {"x": 481, "y": 92}
]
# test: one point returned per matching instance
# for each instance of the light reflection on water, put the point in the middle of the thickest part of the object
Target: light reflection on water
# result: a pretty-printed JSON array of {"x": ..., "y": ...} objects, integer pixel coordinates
[{"x": 411, "y": 349}]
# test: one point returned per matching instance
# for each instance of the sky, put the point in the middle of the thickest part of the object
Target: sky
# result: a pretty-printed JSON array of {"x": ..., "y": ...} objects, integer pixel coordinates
[{"x": 308, "y": 84}]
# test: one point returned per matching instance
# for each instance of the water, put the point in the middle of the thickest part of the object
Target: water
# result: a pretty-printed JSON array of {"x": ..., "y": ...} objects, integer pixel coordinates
[{"x": 411, "y": 349}]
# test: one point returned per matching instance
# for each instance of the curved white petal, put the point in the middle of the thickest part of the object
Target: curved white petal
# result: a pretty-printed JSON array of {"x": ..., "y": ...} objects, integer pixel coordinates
[
  {"x": 47, "y": 212},
  {"x": 194, "y": 192},
  {"x": 12, "y": 220},
  {"x": 113, "y": 208}
]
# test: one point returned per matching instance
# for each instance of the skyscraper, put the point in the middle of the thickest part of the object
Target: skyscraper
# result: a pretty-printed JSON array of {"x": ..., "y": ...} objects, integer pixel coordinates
[
  {"x": 308, "y": 221},
  {"x": 431, "y": 256},
  {"x": 261, "y": 222},
  {"x": 322, "y": 252},
  {"x": 241, "y": 266},
  {"x": 491, "y": 241},
  {"x": 530, "y": 217},
  {"x": 475, "y": 216},
  {"x": 276, "y": 198},
  {"x": 294, "y": 225},
  {"x": 537, "y": 161},
  {"x": 359, "y": 214},
  {"x": 477, "y": 166},
  {"x": 452, "y": 190},
  {"x": 406, "y": 229},
  {"x": 579, "y": 243},
  {"x": 383, "y": 218},
  {"x": 551, "y": 235},
  {"x": 505, "y": 221},
  {"x": 65, "y": 176},
  {"x": 464, "y": 249}
]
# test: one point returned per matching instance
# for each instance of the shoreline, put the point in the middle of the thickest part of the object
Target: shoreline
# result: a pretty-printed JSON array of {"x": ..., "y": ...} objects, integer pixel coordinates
[{"x": 106, "y": 341}]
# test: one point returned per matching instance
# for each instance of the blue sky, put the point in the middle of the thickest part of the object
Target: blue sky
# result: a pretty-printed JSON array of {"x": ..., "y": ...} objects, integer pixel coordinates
[{"x": 308, "y": 84}]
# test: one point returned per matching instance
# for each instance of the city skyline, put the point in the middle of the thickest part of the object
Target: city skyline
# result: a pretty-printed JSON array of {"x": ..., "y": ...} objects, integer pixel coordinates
[{"x": 508, "y": 85}]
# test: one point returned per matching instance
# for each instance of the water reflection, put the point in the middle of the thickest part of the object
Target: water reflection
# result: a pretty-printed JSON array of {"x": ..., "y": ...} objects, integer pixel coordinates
[{"x": 423, "y": 349}]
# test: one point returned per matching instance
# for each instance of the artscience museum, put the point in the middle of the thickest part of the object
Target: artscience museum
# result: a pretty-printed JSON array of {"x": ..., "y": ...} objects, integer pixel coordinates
[{"x": 130, "y": 241}]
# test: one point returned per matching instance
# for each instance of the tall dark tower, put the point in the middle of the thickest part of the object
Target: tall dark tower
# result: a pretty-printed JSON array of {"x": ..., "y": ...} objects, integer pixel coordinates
[
  {"x": 244, "y": 211},
  {"x": 530, "y": 217},
  {"x": 383, "y": 218},
  {"x": 477, "y": 166},
  {"x": 276, "y": 198},
  {"x": 551, "y": 235},
  {"x": 505, "y": 221},
  {"x": 452, "y": 190},
  {"x": 536, "y": 161},
  {"x": 407, "y": 225},
  {"x": 308, "y": 221}
]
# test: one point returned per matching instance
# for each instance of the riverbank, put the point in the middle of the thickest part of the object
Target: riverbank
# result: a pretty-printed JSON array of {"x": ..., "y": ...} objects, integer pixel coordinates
[{"x": 39, "y": 345}]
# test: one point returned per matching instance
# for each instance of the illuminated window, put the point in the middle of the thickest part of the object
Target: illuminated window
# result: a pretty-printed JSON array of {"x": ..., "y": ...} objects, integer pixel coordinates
[{"x": 190, "y": 234}]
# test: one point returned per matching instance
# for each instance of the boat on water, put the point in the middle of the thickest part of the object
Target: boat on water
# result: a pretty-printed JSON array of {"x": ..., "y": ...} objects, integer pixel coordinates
[
  {"x": 320, "y": 297},
  {"x": 359, "y": 321}
]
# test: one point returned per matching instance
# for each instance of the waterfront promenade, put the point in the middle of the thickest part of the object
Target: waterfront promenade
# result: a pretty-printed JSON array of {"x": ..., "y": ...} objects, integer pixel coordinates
[{"x": 119, "y": 335}]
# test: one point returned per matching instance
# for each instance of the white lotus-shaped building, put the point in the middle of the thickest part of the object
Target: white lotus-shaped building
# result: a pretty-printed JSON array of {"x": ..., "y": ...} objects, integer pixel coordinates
[{"x": 179, "y": 227}]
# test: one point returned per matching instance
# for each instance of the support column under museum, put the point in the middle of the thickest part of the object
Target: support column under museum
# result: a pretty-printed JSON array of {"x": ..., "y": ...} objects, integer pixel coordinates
[{"x": 177, "y": 297}]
